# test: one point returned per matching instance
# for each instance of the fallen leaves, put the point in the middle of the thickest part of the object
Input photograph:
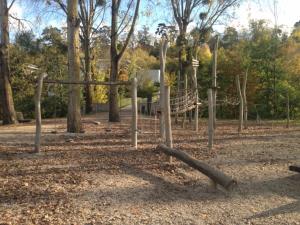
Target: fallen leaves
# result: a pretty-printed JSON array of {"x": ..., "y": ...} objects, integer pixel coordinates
[{"x": 95, "y": 178}]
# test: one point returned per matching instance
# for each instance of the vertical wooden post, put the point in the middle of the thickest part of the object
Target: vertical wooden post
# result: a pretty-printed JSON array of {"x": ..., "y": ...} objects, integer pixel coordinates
[
  {"x": 210, "y": 119},
  {"x": 162, "y": 58},
  {"x": 38, "y": 114},
  {"x": 134, "y": 127},
  {"x": 168, "y": 125},
  {"x": 190, "y": 116},
  {"x": 241, "y": 105},
  {"x": 197, "y": 107},
  {"x": 197, "y": 117},
  {"x": 245, "y": 104},
  {"x": 177, "y": 96},
  {"x": 288, "y": 111},
  {"x": 214, "y": 79},
  {"x": 186, "y": 98}
]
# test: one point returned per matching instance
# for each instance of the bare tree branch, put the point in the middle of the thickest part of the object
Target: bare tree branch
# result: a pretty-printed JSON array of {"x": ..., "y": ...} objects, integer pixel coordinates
[
  {"x": 62, "y": 6},
  {"x": 11, "y": 4},
  {"x": 136, "y": 13}
]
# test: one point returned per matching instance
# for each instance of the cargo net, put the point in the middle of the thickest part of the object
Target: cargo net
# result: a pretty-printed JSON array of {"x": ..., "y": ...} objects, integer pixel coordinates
[{"x": 185, "y": 101}]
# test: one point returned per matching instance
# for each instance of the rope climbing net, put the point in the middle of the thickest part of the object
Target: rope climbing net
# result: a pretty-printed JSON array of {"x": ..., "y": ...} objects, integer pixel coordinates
[{"x": 185, "y": 101}]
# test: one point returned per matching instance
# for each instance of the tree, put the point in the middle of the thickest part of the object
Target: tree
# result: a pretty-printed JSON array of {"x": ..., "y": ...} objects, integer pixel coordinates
[
  {"x": 137, "y": 59},
  {"x": 49, "y": 53},
  {"x": 54, "y": 60},
  {"x": 230, "y": 37},
  {"x": 74, "y": 124},
  {"x": 184, "y": 10},
  {"x": 264, "y": 51},
  {"x": 89, "y": 14},
  {"x": 116, "y": 53},
  {"x": 296, "y": 32},
  {"x": 53, "y": 37},
  {"x": 6, "y": 95},
  {"x": 144, "y": 38},
  {"x": 26, "y": 41},
  {"x": 90, "y": 10}
]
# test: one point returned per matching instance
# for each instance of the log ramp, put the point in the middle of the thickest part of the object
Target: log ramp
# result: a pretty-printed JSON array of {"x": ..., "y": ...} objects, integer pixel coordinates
[
  {"x": 215, "y": 175},
  {"x": 295, "y": 168}
]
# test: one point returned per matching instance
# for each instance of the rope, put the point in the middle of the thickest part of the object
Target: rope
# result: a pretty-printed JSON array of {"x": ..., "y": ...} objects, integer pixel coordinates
[{"x": 185, "y": 102}]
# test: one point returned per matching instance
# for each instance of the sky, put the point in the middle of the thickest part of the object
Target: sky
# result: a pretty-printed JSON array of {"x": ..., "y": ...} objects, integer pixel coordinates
[{"x": 287, "y": 13}]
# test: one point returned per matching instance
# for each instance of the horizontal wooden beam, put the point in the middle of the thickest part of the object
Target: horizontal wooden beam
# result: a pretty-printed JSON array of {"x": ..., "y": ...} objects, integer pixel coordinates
[
  {"x": 216, "y": 175},
  {"x": 87, "y": 82}
]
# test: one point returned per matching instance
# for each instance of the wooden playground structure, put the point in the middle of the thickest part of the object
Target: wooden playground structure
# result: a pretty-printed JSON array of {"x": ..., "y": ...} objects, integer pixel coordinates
[
  {"x": 38, "y": 95},
  {"x": 185, "y": 101}
]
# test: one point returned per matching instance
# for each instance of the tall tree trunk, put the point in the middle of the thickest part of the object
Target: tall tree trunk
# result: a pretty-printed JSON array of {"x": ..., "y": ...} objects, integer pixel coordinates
[
  {"x": 116, "y": 55},
  {"x": 183, "y": 64},
  {"x": 241, "y": 105},
  {"x": 87, "y": 77},
  {"x": 244, "y": 91},
  {"x": 74, "y": 124},
  {"x": 6, "y": 95},
  {"x": 87, "y": 14},
  {"x": 114, "y": 111},
  {"x": 214, "y": 79}
]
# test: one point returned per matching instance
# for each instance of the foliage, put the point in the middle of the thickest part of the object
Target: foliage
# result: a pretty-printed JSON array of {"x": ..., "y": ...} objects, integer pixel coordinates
[
  {"x": 271, "y": 57},
  {"x": 49, "y": 54},
  {"x": 137, "y": 59},
  {"x": 99, "y": 92}
]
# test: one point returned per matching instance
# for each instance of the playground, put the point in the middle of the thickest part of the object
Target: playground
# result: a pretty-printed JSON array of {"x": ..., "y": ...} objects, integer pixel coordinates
[
  {"x": 97, "y": 177},
  {"x": 149, "y": 112}
]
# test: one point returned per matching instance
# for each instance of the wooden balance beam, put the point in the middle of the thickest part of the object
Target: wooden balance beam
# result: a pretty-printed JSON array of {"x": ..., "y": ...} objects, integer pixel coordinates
[
  {"x": 215, "y": 175},
  {"x": 295, "y": 168}
]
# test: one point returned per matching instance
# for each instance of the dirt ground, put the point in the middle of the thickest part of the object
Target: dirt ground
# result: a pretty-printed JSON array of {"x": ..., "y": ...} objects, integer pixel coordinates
[{"x": 97, "y": 178}]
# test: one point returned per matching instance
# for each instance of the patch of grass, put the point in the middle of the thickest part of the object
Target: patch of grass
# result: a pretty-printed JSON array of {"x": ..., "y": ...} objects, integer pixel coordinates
[{"x": 125, "y": 102}]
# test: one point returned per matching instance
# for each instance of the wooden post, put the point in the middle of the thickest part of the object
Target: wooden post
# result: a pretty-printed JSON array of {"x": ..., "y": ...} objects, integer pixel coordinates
[
  {"x": 162, "y": 58},
  {"x": 241, "y": 105},
  {"x": 38, "y": 114},
  {"x": 214, "y": 79},
  {"x": 197, "y": 117},
  {"x": 177, "y": 96},
  {"x": 185, "y": 97},
  {"x": 196, "y": 89},
  {"x": 245, "y": 105},
  {"x": 168, "y": 125},
  {"x": 210, "y": 119},
  {"x": 288, "y": 111},
  {"x": 134, "y": 127},
  {"x": 190, "y": 116}
]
